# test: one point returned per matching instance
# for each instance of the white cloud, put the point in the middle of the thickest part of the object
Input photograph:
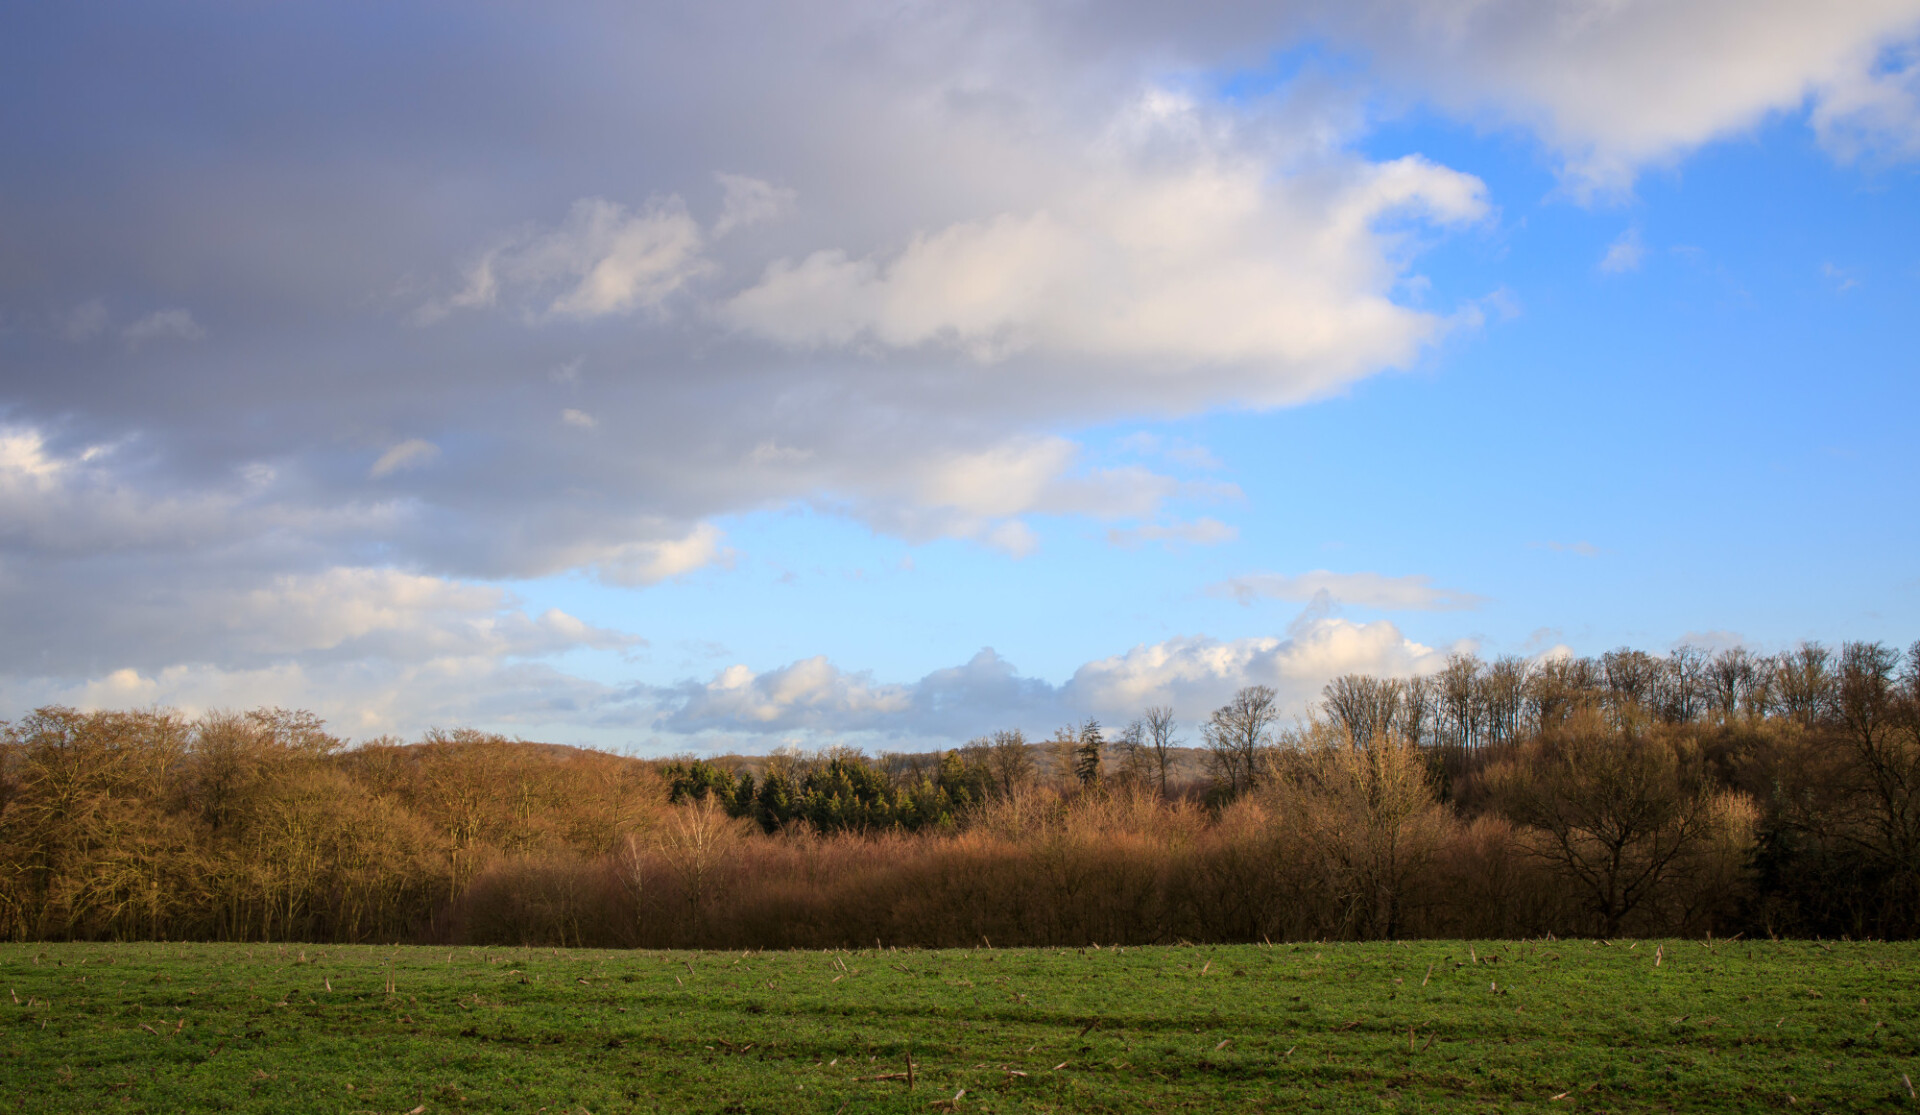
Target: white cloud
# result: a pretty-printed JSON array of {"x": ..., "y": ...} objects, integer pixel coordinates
[
  {"x": 1197, "y": 674},
  {"x": 602, "y": 260},
  {"x": 750, "y": 201},
  {"x": 1193, "y": 674},
  {"x": 390, "y": 614},
  {"x": 358, "y": 699},
  {"x": 73, "y": 502},
  {"x": 1614, "y": 85},
  {"x": 1200, "y": 532},
  {"x": 1213, "y": 262},
  {"x": 1624, "y": 254},
  {"x": 579, "y": 419},
  {"x": 981, "y": 494},
  {"x": 164, "y": 325},
  {"x": 646, "y": 563},
  {"x": 409, "y": 454},
  {"x": 1873, "y": 111},
  {"x": 811, "y": 693},
  {"x": 1366, "y": 590}
]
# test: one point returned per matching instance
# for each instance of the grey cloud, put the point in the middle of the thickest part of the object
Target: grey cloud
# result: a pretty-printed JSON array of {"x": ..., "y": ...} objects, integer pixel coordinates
[{"x": 173, "y": 325}]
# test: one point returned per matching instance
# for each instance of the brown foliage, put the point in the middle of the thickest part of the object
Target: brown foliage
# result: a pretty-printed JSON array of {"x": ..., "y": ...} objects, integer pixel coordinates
[{"x": 1630, "y": 794}]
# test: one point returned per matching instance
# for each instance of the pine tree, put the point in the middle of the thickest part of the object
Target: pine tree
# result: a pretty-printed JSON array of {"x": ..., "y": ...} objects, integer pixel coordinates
[{"x": 1088, "y": 754}]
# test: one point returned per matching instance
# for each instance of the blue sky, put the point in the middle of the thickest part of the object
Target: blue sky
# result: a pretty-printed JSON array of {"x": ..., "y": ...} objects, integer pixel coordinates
[{"x": 702, "y": 379}]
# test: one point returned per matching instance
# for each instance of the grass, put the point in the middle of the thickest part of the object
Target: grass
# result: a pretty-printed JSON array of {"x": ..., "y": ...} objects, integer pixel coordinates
[{"x": 1569, "y": 1025}]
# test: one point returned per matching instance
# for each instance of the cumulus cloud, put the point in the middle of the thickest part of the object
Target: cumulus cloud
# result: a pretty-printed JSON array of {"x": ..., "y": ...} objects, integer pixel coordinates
[
  {"x": 1614, "y": 87},
  {"x": 1192, "y": 674},
  {"x": 1367, "y": 590},
  {"x": 1213, "y": 263},
  {"x": 358, "y": 699},
  {"x": 811, "y": 701},
  {"x": 370, "y": 612},
  {"x": 646, "y": 563}
]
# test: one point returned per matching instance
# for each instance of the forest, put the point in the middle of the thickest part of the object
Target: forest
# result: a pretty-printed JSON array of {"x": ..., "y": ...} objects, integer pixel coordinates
[{"x": 1632, "y": 794}]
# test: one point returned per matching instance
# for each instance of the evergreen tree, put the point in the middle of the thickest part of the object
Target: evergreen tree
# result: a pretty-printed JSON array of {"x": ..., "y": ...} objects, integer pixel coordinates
[{"x": 1088, "y": 753}]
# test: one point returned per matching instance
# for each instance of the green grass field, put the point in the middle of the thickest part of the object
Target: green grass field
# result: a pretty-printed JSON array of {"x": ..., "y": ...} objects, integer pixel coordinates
[{"x": 1569, "y": 1025}]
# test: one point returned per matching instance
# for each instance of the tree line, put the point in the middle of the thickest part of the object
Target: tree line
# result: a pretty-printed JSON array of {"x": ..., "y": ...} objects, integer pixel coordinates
[{"x": 1625, "y": 794}]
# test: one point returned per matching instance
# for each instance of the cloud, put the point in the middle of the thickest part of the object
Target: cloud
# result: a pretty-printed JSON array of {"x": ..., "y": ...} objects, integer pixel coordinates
[
  {"x": 601, "y": 260},
  {"x": 1624, "y": 254},
  {"x": 1614, "y": 87},
  {"x": 749, "y": 201},
  {"x": 1716, "y": 640},
  {"x": 1583, "y": 549},
  {"x": 1214, "y": 263},
  {"x": 163, "y": 614},
  {"x": 360, "y": 699},
  {"x": 163, "y": 325},
  {"x": 385, "y": 613},
  {"x": 578, "y": 419},
  {"x": 646, "y": 563},
  {"x": 1873, "y": 111},
  {"x": 811, "y": 693},
  {"x": 816, "y": 699},
  {"x": 1200, "y": 532},
  {"x": 982, "y": 494},
  {"x": 411, "y": 453},
  {"x": 1366, "y": 590},
  {"x": 86, "y": 321}
]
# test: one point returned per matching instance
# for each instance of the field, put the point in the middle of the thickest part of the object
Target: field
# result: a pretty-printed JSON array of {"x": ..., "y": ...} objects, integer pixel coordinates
[{"x": 1430, "y": 1026}]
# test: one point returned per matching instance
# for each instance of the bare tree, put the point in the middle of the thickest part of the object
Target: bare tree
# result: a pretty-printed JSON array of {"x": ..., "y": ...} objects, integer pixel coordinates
[
  {"x": 1619, "y": 813},
  {"x": 1415, "y": 723},
  {"x": 1632, "y": 679},
  {"x": 1463, "y": 714},
  {"x": 1502, "y": 693},
  {"x": 1365, "y": 706},
  {"x": 1135, "y": 756},
  {"x": 1558, "y": 688},
  {"x": 1683, "y": 688},
  {"x": 1881, "y": 726},
  {"x": 1369, "y": 819},
  {"x": 1009, "y": 760},
  {"x": 1238, "y": 732},
  {"x": 1803, "y": 682},
  {"x": 697, "y": 842},
  {"x": 1730, "y": 681},
  {"x": 1160, "y": 736}
]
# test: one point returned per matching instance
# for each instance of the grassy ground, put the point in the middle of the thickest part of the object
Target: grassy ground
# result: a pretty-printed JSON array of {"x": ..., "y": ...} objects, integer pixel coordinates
[{"x": 1571, "y": 1025}]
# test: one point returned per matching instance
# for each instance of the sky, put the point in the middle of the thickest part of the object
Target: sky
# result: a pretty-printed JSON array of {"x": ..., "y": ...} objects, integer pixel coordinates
[{"x": 689, "y": 378}]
